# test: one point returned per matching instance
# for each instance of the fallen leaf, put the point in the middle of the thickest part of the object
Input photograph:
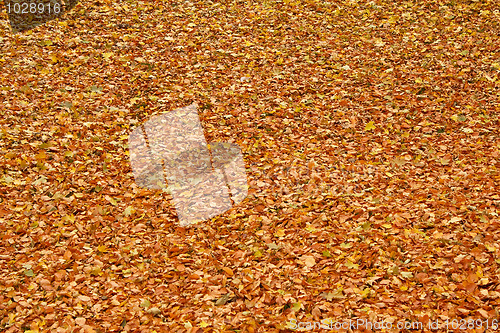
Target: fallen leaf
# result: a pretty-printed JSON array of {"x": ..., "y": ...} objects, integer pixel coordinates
[
  {"x": 308, "y": 261},
  {"x": 370, "y": 126}
]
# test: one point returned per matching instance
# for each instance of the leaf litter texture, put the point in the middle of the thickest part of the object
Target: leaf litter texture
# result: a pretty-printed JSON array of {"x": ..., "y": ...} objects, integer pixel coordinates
[{"x": 369, "y": 131}]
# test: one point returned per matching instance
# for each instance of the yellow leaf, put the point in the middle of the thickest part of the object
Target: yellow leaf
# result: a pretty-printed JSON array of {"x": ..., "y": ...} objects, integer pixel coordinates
[
  {"x": 68, "y": 218},
  {"x": 392, "y": 19},
  {"x": 311, "y": 229},
  {"x": 350, "y": 264},
  {"x": 107, "y": 55},
  {"x": 111, "y": 200},
  {"x": 279, "y": 233},
  {"x": 145, "y": 303},
  {"x": 370, "y": 126},
  {"x": 365, "y": 293},
  {"x": 129, "y": 211},
  {"x": 203, "y": 324},
  {"x": 29, "y": 272},
  {"x": 22, "y": 164},
  {"x": 96, "y": 271},
  {"x": 444, "y": 161},
  {"x": 296, "y": 306},
  {"x": 489, "y": 78},
  {"x": 102, "y": 248},
  {"x": 490, "y": 247},
  {"x": 479, "y": 272}
]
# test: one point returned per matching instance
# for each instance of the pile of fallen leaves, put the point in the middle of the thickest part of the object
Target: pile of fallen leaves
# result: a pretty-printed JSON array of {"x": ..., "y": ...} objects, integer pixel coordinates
[{"x": 369, "y": 129}]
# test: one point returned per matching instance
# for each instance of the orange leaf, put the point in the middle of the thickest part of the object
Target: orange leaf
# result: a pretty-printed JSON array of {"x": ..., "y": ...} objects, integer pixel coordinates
[
  {"x": 67, "y": 255},
  {"x": 228, "y": 271}
]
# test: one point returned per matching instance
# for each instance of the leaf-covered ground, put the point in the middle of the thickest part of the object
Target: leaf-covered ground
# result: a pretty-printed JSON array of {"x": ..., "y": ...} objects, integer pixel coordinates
[{"x": 370, "y": 132}]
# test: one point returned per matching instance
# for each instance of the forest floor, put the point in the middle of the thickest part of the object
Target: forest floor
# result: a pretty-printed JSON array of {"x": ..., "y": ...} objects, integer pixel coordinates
[{"x": 370, "y": 133}]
